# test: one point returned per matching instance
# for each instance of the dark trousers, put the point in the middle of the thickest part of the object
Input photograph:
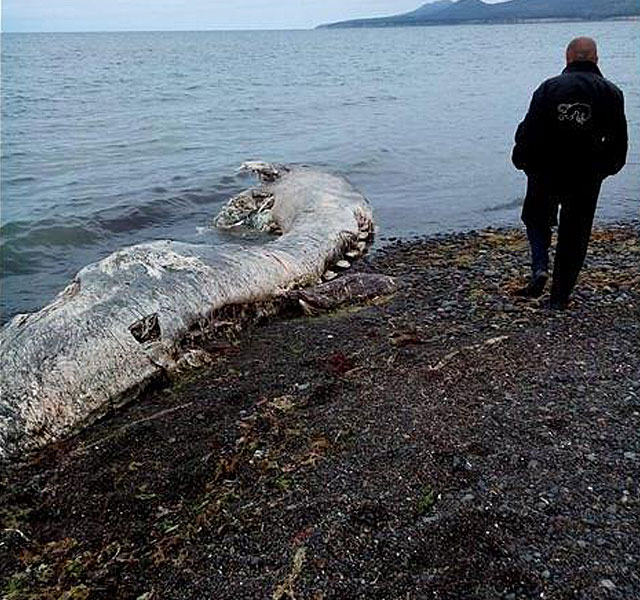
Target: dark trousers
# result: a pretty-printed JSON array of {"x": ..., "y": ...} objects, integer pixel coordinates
[{"x": 577, "y": 203}]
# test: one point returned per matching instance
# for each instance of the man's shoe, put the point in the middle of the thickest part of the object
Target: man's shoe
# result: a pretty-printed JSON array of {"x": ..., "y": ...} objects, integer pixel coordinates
[
  {"x": 558, "y": 303},
  {"x": 535, "y": 287},
  {"x": 555, "y": 304}
]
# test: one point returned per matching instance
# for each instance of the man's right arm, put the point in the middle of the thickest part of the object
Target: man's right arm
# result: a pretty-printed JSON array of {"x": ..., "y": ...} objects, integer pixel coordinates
[
  {"x": 616, "y": 139},
  {"x": 526, "y": 152}
]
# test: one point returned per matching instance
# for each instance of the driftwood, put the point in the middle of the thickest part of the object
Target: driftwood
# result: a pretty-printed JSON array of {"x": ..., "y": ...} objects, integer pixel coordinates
[{"x": 119, "y": 323}]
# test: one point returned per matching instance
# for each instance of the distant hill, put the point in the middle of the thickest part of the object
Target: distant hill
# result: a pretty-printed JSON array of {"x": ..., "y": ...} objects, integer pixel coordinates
[{"x": 447, "y": 12}]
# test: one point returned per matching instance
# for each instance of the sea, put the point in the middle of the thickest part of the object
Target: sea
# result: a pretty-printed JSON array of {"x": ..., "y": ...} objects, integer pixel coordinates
[{"x": 111, "y": 139}]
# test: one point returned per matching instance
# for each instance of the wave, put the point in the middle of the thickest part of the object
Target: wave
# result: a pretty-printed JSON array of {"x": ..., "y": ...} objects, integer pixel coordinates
[
  {"x": 21, "y": 179},
  {"x": 510, "y": 205},
  {"x": 79, "y": 231}
]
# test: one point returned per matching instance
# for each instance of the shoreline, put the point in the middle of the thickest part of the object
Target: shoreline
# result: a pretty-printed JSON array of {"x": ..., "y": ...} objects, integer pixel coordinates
[
  {"x": 449, "y": 442},
  {"x": 505, "y": 21}
]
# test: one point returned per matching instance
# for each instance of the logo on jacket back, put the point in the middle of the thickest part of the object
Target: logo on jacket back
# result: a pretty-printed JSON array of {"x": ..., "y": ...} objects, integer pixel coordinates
[{"x": 577, "y": 113}]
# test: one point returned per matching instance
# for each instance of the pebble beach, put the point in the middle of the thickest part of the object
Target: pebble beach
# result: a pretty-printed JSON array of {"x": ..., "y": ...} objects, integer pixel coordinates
[{"x": 451, "y": 441}]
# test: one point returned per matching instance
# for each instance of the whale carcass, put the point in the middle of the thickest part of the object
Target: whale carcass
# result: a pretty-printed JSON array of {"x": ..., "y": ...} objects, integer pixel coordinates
[{"x": 119, "y": 323}]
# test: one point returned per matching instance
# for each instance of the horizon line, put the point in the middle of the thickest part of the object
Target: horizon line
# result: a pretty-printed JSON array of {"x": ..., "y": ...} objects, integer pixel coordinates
[{"x": 4, "y": 32}]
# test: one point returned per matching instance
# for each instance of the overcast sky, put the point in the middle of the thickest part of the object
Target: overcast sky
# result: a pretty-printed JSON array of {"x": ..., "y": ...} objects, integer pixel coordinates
[{"x": 122, "y": 15}]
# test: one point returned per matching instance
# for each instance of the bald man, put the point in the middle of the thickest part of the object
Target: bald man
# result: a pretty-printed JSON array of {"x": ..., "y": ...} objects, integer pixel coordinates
[{"x": 573, "y": 136}]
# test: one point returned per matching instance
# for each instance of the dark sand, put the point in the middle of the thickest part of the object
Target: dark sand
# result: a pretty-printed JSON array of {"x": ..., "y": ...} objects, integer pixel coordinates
[{"x": 449, "y": 443}]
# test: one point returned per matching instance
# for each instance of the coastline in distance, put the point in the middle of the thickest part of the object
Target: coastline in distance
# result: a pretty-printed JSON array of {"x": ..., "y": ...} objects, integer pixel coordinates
[{"x": 447, "y": 12}]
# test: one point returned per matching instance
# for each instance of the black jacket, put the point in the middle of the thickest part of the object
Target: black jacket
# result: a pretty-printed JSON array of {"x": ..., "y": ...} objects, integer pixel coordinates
[{"x": 575, "y": 127}]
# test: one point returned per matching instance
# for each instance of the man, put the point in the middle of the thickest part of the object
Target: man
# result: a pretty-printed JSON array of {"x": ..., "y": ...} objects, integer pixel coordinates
[{"x": 574, "y": 135}]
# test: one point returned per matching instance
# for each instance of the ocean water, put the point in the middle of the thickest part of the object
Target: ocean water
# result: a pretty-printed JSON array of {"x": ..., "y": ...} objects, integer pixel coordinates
[{"x": 117, "y": 138}]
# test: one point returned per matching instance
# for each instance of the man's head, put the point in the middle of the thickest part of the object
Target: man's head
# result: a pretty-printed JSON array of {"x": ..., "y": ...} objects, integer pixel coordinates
[{"x": 582, "y": 49}]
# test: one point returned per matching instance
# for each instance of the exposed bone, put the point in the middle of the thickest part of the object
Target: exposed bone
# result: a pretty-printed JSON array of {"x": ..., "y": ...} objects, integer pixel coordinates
[
  {"x": 329, "y": 275},
  {"x": 307, "y": 309}
]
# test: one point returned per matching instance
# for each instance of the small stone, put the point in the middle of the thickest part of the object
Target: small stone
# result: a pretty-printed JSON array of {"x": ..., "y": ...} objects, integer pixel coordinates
[
  {"x": 546, "y": 574},
  {"x": 607, "y": 584},
  {"x": 591, "y": 457},
  {"x": 630, "y": 455},
  {"x": 533, "y": 464},
  {"x": 427, "y": 520},
  {"x": 468, "y": 498},
  {"x": 255, "y": 561},
  {"x": 343, "y": 264},
  {"x": 352, "y": 254}
]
